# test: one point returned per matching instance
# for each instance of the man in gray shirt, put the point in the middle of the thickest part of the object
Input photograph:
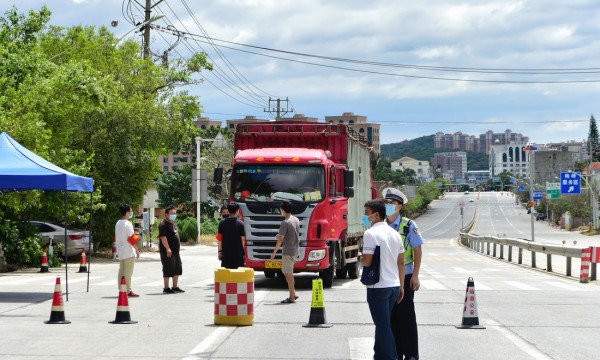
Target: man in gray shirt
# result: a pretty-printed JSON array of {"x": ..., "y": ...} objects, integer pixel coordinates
[{"x": 288, "y": 237}]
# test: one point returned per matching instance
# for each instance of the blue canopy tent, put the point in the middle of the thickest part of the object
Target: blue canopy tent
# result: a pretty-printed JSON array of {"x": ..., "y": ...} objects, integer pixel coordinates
[{"x": 21, "y": 169}]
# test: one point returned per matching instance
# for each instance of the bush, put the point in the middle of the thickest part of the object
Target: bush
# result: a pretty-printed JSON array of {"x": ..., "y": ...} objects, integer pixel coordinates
[
  {"x": 188, "y": 229},
  {"x": 21, "y": 246}
]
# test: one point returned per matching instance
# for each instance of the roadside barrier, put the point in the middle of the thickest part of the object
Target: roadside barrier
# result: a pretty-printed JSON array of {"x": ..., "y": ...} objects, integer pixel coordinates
[
  {"x": 57, "y": 313},
  {"x": 470, "y": 317},
  {"x": 317, "y": 307},
  {"x": 586, "y": 259},
  {"x": 83, "y": 262},
  {"x": 114, "y": 248},
  {"x": 494, "y": 246},
  {"x": 234, "y": 296},
  {"x": 123, "y": 316},
  {"x": 44, "y": 267}
]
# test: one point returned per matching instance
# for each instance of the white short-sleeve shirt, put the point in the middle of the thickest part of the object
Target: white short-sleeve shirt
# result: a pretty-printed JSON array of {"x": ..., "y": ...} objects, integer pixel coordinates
[
  {"x": 123, "y": 230},
  {"x": 390, "y": 246}
]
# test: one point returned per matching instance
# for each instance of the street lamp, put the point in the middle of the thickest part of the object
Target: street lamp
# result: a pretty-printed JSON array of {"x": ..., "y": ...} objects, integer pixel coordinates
[
  {"x": 152, "y": 19},
  {"x": 218, "y": 142}
]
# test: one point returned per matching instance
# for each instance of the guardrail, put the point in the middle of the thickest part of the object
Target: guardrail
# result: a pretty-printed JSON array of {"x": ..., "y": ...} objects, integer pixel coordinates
[{"x": 494, "y": 246}]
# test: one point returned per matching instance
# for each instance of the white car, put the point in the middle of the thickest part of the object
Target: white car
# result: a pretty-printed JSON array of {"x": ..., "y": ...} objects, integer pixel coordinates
[
  {"x": 76, "y": 239},
  {"x": 471, "y": 200}
]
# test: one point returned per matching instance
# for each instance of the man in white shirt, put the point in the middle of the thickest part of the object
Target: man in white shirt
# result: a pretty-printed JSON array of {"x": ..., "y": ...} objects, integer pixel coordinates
[
  {"x": 382, "y": 296},
  {"x": 126, "y": 247}
]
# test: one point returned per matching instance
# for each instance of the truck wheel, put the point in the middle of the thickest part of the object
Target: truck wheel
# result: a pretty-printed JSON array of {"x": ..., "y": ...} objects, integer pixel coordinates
[
  {"x": 353, "y": 270},
  {"x": 269, "y": 274},
  {"x": 327, "y": 276}
]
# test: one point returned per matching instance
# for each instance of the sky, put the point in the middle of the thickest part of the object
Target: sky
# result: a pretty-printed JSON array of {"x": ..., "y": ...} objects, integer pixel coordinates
[{"x": 415, "y": 67}]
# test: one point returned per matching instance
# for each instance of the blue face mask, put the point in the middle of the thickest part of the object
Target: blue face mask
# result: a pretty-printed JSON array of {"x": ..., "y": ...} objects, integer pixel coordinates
[
  {"x": 390, "y": 209},
  {"x": 173, "y": 217},
  {"x": 366, "y": 221}
]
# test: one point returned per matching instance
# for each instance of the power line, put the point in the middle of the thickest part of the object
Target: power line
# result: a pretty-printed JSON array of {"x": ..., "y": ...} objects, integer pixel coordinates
[{"x": 402, "y": 75}]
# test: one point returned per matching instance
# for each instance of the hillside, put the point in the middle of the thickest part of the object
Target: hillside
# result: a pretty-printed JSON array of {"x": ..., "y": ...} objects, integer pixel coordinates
[{"x": 422, "y": 148}]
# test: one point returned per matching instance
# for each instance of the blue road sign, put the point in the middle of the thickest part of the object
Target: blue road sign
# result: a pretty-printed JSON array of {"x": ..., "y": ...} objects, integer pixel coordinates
[
  {"x": 521, "y": 188},
  {"x": 570, "y": 183},
  {"x": 538, "y": 194}
]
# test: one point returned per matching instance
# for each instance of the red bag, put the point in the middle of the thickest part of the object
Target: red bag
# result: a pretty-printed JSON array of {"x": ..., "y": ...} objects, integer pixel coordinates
[{"x": 133, "y": 239}]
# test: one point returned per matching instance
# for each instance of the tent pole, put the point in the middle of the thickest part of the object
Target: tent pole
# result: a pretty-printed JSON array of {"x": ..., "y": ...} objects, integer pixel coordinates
[
  {"x": 89, "y": 264},
  {"x": 65, "y": 250}
]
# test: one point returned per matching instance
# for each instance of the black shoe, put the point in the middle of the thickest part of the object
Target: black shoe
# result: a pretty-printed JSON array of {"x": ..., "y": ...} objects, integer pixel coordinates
[
  {"x": 177, "y": 290},
  {"x": 168, "y": 291}
]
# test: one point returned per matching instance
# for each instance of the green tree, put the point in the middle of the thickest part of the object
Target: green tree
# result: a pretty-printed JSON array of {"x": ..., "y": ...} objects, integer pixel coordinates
[
  {"x": 98, "y": 110},
  {"x": 176, "y": 188},
  {"x": 594, "y": 140}
]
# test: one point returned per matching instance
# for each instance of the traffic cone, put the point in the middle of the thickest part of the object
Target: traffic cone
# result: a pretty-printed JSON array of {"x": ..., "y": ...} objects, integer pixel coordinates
[
  {"x": 44, "y": 267},
  {"x": 317, "y": 307},
  {"x": 57, "y": 314},
  {"x": 123, "y": 316},
  {"x": 83, "y": 262},
  {"x": 114, "y": 248},
  {"x": 470, "y": 319}
]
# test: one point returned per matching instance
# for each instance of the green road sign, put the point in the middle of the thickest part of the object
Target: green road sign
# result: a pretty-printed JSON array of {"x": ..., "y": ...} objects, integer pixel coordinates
[{"x": 553, "y": 194}]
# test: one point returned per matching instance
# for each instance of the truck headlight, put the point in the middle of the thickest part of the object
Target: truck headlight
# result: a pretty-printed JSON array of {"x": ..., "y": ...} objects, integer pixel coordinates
[{"x": 316, "y": 255}]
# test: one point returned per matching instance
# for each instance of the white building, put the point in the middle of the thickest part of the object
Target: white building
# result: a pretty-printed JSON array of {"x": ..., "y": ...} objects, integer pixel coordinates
[
  {"x": 510, "y": 158},
  {"x": 420, "y": 167}
]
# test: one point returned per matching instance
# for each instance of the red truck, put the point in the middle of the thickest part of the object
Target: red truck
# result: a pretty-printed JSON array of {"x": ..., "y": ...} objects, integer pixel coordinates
[{"x": 324, "y": 171}]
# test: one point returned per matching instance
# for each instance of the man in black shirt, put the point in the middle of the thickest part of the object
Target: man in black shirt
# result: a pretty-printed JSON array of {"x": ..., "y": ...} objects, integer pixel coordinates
[
  {"x": 169, "y": 246},
  {"x": 231, "y": 237}
]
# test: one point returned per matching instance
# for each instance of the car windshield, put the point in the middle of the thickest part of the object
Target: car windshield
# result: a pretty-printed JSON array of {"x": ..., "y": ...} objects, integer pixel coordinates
[{"x": 278, "y": 182}]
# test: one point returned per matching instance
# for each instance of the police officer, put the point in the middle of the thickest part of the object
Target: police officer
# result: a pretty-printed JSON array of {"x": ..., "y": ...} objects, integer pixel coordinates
[{"x": 404, "y": 320}]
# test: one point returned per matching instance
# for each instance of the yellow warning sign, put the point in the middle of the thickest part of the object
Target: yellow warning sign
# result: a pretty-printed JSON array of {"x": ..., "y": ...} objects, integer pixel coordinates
[{"x": 317, "y": 294}]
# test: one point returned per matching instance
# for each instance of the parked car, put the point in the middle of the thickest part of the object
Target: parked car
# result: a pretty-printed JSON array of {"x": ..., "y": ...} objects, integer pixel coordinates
[{"x": 76, "y": 239}]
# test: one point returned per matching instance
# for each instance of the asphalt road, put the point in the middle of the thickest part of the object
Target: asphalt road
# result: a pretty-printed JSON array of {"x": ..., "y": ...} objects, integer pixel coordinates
[{"x": 528, "y": 314}]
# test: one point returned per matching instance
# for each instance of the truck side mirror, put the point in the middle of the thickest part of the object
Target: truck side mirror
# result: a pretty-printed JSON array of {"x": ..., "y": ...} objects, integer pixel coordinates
[
  {"x": 218, "y": 175},
  {"x": 348, "y": 178},
  {"x": 348, "y": 192}
]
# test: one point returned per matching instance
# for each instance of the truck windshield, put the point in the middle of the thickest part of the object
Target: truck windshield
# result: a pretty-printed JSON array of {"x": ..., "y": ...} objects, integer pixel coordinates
[{"x": 278, "y": 182}]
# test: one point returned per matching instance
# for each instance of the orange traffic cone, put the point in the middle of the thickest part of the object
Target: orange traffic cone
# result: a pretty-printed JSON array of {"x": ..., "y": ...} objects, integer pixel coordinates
[
  {"x": 44, "y": 267},
  {"x": 470, "y": 319},
  {"x": 317, "y": 308},
  {"x": 123, "y": 316},
  {"x": 83, "y": 262},
  {"x": 57, "y": 314}
]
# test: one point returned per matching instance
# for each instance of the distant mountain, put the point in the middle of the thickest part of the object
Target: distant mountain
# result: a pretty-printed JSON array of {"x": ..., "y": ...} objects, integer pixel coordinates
[{"x": 422, "y": 148}]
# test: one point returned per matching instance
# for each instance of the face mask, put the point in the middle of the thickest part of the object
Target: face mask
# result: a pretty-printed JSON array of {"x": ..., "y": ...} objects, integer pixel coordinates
[
  {"x": 173, "y": 217},
  {"x": 225, "y": 216},
  {"x": 366, "y": 220},
  {"x": 131, "y": 216},
  {"x": 390, "y": 209}
]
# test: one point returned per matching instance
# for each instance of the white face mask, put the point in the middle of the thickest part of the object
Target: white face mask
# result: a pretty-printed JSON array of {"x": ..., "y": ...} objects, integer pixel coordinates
[{"x": 131, "y": 215}]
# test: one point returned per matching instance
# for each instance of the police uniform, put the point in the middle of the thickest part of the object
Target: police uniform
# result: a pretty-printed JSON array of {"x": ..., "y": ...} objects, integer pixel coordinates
[{"x": 404, "y": 321}]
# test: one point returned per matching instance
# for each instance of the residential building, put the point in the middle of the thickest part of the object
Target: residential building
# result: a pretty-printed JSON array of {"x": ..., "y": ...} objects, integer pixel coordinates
[
  {"x": 549, "y": 163},
  {"x": 420, "y": 167},
  {"x": 511, "y": 158},
  {"x": 481, "y": 143},
  {"x": 370, "y": 131},
  {"x": 477, "y": 177},
  {"x": 451, "y": 166},
  {"x": 231, "y": 124}
]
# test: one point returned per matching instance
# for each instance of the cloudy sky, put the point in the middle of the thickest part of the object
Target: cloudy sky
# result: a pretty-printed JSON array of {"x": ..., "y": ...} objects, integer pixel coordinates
[{"x": 415, "y": 67}]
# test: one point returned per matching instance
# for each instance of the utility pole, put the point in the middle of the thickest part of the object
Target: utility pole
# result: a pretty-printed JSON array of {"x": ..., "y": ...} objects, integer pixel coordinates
[
  {"x": 147, "y": 29},
  {"x": 278, "y": 110}
]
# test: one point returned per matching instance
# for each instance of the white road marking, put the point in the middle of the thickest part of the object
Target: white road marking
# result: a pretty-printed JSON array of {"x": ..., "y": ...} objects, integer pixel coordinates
[
  {"x": 212, "y": 342},
  {"x": 361, "y": 348},
  {"x": 515, "y": 339},
  {"x": 521, "y": 286},
  {"x": 431, "y": 284}
]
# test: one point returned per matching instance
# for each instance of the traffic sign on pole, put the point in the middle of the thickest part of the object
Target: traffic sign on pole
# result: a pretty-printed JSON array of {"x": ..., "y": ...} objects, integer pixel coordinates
[
  {"x": 538, "y": 195},
  {"x": 570, "y": 183}
]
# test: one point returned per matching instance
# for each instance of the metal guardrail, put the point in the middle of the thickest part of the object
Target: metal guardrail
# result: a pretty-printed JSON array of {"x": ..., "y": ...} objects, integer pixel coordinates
[{"x": 494, "y": 246}]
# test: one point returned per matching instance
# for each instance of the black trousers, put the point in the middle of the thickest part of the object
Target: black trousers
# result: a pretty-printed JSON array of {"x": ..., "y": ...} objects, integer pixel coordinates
[{"x": 404, "y": 324}]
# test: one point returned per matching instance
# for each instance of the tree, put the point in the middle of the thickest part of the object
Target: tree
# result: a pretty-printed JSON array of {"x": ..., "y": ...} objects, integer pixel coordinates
[
  {"x": 72, "y": 96},
  {"x": 594, "y": 140}
]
